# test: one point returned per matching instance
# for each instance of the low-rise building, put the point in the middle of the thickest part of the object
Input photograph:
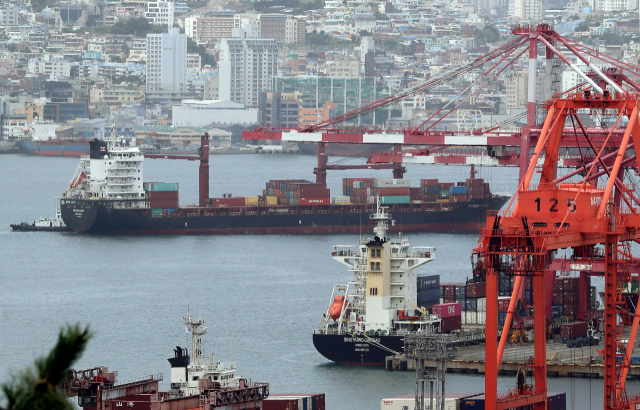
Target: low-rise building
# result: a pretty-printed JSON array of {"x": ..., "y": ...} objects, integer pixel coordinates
[{"x": 117, "y": 94}]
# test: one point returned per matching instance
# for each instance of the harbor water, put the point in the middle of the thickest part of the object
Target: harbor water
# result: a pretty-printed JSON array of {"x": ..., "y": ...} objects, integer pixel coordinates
[{"x": 261, "y": 296}]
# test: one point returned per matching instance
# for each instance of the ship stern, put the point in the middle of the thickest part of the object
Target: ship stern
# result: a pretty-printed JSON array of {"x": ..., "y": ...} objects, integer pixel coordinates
[{"x": 79, "y": 215}]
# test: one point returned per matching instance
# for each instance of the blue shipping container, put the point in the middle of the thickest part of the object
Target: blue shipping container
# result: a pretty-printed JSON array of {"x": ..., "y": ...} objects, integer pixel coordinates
[
  {"x": 502, "y": 317},
  {"x": 472, "y": 305},
  {"x": 428, "y": 295},
  {"x": 458, "y": 189},
  {"x": 428, "y": 282},
  {"x": 431, "y": 190},
  {"x": 556, "y": 311}
]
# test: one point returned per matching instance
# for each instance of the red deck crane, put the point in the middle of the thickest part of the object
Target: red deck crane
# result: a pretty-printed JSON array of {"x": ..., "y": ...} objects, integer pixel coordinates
[{"x": 543, "y": 218}]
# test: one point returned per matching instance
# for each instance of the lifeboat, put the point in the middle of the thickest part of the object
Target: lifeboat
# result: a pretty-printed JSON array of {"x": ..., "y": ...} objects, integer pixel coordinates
[{"x": 336, "y": 307}]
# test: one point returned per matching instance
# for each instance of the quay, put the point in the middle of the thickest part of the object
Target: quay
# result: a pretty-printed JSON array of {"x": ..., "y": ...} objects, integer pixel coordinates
[{"x": 562, "y": 361}]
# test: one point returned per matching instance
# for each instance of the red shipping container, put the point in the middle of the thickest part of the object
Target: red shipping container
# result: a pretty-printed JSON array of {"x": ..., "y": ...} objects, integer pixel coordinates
[
  {"x": 475, "y": 182},
  {"x": 569, "y": 310},
  {"x": 458, "y": 198},
  {"x": 445, "y": 185},
  {"x": 476, "y": 290},
  {"x": 447, "y": 309},
  {"x": 528, "y": 322},
  {"x": 449, "y": 324},
  {"x": 166, "y": 203},
  {"x": 503, "y": 304},
  {"x": 434, "y": 196},
  {"x": 419, "y": 197},
  {"x": 573, "y": 329},
  {"x": 294, "y": 402},
  {"x": 571, "y": 283},
  {"x": 162, "y": 195},
  {"x": 428, "y": 182},
  {"x": 238, "y": 201},
  {"x": 391, "y": 191},
  {"x": 314, "y": 201},
  {"x": 415, "y": 191},
  {"x": 557, "y": 298}
]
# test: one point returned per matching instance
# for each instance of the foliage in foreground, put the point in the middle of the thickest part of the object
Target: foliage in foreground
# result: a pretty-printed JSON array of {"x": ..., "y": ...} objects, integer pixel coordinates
[{"x": 39, "y": 387}]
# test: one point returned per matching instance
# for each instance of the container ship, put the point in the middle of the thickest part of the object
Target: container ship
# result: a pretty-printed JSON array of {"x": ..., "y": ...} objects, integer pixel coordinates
[
  {"x": 108, "y": 195},
  {"x": 55, "y": 147},
  {"x": 367, "y": 317}
]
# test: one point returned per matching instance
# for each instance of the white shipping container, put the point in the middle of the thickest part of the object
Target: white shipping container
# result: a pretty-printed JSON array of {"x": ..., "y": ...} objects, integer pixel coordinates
[
  {"x": 470, "y": 318},
  {"x": 482, "y": 304},
  {"x": 392, "y": 183},
  {"x": 371, "y": 200},
  {"x": 463, "y": 318},
  {"x": 482, "y": 318},
  {"x": 441, "y": 301},
  {"x": 341, "y": 199},
  {"x": 408, "y": 402}
]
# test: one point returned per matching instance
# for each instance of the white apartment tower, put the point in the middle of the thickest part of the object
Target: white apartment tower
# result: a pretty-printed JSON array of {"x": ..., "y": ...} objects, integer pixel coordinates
[
  {"x": 167, "y": 62},
  {"x": 525, "y": 9},
  {"x": 247, "y": 67},
  {"x": 160, "y": 13}
]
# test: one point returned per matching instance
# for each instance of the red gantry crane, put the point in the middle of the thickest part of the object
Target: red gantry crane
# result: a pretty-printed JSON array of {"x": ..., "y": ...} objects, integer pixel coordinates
[{"x": 595, "y": 205}]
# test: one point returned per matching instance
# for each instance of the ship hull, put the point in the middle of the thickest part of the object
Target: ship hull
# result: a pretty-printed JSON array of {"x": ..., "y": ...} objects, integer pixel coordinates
[
  {"x": 53, "y": 149},
  {"x": 357, "y": 349},
  {"x": 102, "y": 217}
]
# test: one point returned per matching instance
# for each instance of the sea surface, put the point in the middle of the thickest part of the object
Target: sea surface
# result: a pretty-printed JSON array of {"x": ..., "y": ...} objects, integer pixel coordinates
[{"x": 260, "y": 296}]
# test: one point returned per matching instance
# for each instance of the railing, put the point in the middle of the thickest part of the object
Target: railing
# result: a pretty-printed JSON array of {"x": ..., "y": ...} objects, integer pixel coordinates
[{"x": 153, "y": 377}]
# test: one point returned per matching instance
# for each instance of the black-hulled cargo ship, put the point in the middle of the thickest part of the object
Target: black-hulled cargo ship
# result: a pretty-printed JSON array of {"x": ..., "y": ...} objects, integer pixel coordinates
[
  {"x": 108, "y": 195},
  {"x": 368, "y": 317}
]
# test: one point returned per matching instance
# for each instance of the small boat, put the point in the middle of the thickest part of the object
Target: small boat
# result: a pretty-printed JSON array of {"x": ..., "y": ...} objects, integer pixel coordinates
[{"x": 55, "y": 224}]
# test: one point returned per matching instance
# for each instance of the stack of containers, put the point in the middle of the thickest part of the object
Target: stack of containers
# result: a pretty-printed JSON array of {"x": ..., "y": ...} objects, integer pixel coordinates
[
  {"x": 503, "y": 308},
  {"x": 429, "y": 189},
  {"x": 451, "y": 315},
  {"x": 481, "y": 316},
  {"x": 358, "y": 189},
  {"x": 162, "y": 195},
  {"x": 392, "y": 191},
  {"x": 557, "y": 304},
  {"x": 593, "y": 297},
  {"x": 458, "y": 194},
  {"x": 298, "y": 192},
  {"x": 443, "y": 191},
  {"x": 528, "y": 290},
  {"x": 570, "y": 299},
  {"x": 449, "y": 294},
  {"x": 476, "y": 188},
  {"x": 428, "y": 290},
  {"x": 505, "y": 284},
  {"x": 474, "y": 291}
]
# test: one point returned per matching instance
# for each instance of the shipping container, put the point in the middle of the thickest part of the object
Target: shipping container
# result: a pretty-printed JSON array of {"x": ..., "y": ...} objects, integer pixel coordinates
[
  {"x": 341, "y": 200},
  {"x": 402, "y": 199},
  {"x": 165, "y": 203},
  {"x": 556, "y": 311},
  {"x": 555, "y": 401},
  {"x": 157, "y": 212},
  {"x": 573, "y": 329},
  {"x": 162, "y": 195},
  {"x": 294, "y": 402},
  {"x": 571, "y": 284},
  {"x": 427, "y": 297},
  {"x": 238, "y": 201},
  {"x": 447, "y": 310},
  {"x": 160, "y": 186},
  {"x": 382, "y": 183},
  {"x": 428, "y": 282},
  {"x": 429, "y": 182},
  {"x": 476, "y": 290},
  {"x": 472, "y": 305},
  {"x": 314, "y": 201},
  {"x": 502, "y": 317},
  {"x": 430, "y": 190},
  {"x": 458, "y": 197},
  {"x": 407, "y": 401},
  {"x": 503, "y": 304},
  {"x": 401, "y": 191},
  {"x": 458, "y": 190},
  {"x": 272, "y": 200},
  {"x": 251, "y": 200},
  {"x": 482, "y": 304},
  {"x": 451, "y": 323}
]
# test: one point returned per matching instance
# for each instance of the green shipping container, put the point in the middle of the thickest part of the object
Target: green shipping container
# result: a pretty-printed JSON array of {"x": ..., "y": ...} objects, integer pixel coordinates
[
  {"x": 399, "y": 199},
  {"x": 161, "y": 186},
  {"x": 429, "y": 200},
  {"x": 444, "y": 194},
  {"x": 156, "y": 212}
]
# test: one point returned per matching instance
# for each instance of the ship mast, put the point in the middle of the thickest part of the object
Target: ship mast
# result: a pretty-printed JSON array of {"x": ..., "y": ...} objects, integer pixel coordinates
[
  {"x": 380, "y": 218},
  {"x": 196, "y": 344}
]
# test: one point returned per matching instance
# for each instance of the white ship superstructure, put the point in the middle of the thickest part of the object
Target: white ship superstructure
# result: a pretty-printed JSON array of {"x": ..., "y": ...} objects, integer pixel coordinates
[
  {"x": 383, "y": 291},
  {"x": 190, "y": 378},
  {"x": 113, "y": 171}
]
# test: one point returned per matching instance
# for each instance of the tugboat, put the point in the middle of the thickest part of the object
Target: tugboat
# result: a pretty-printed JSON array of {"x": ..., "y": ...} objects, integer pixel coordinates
[
  {"x": 43, "y": 224},
  {"x": 367, "y": 318}
]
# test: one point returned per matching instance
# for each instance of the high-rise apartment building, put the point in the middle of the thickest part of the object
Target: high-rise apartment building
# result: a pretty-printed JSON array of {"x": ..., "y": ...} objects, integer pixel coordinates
[
  {"x": 526, "y": 9},
  {"x": 247, "y": 67},
  {"x": 160, "y": 13},
  {"x": 280, "y": 27},
  {"x": 214, "y": 27},
  {"x": 167, "y": 62}
]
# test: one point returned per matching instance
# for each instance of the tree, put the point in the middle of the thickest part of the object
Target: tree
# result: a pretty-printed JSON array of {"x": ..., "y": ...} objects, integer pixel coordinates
[
  {"x": 584, "y": 26},
  {"x": 380, "y": 16},
  {"x": 26, "y": 50},
  {"x": 38, "y": 388},
  {"x": 91, "y": 21},
  {"x": 489, "y": 34},
  {"x": 612, "y": 39},
  {"x": 12, "y": 48},
  {"x": 205, "y": 58}
]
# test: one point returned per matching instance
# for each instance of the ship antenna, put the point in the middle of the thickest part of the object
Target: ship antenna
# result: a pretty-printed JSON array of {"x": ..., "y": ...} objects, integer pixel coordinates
[{"x": 230, "y": 344}]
